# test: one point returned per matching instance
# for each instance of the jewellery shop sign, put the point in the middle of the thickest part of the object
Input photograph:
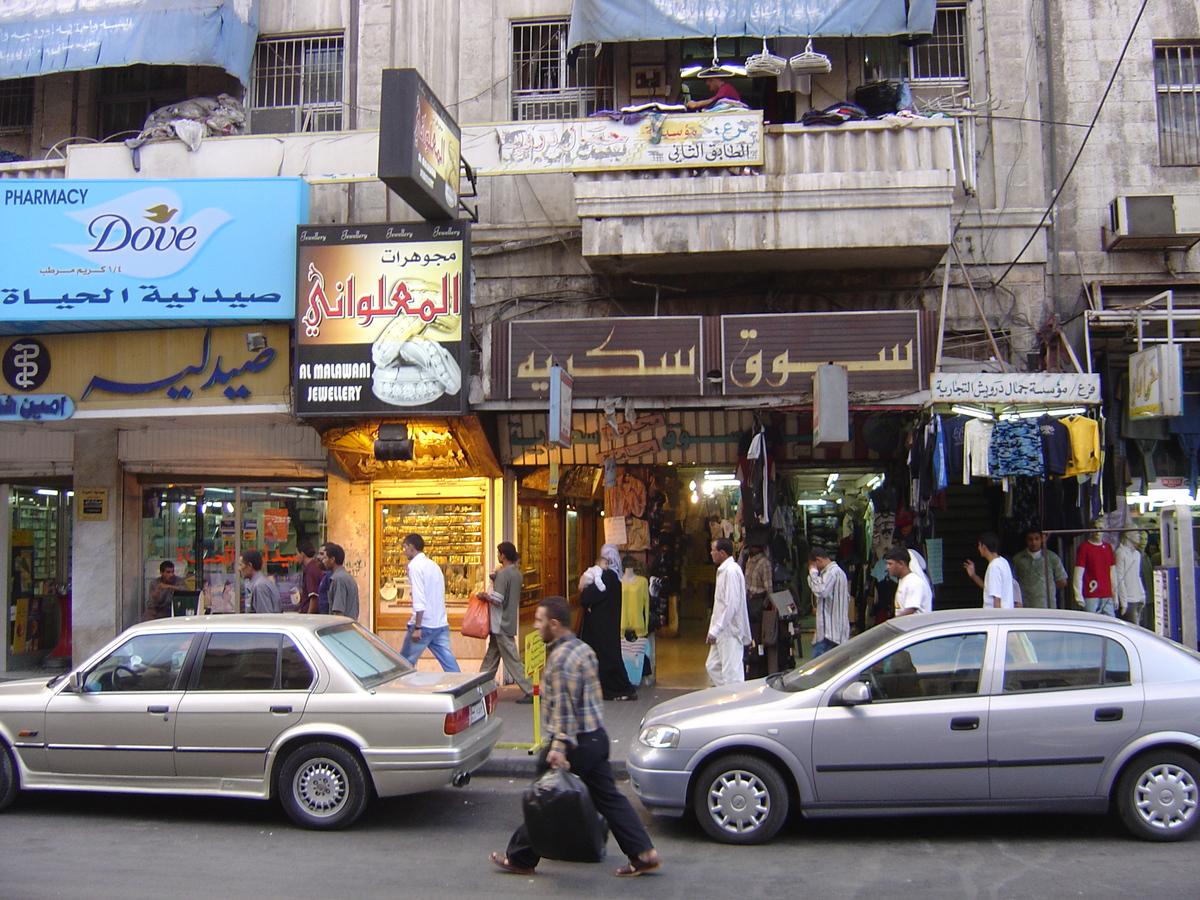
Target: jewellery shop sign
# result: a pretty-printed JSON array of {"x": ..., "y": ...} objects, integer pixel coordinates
[
  {"x": 382, "y": 321},
  {"x": 120, "y": 253}
]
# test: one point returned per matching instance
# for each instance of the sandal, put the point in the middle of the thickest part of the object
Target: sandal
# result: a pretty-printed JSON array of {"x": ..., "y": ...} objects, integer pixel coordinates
[
  {"x": 503, "y": 863},
  {"x": 638, "y": 866}
]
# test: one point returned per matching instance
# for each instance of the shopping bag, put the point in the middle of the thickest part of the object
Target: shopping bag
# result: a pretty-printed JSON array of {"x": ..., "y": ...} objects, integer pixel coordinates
[
  {"x": 476, "y": 621},
  {"x": 561, "y": 821}
]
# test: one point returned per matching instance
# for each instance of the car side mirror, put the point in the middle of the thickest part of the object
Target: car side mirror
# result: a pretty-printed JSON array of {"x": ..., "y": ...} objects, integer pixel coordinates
[
  {"x": 856, "y": 693},
  {"x": 75, "y": 683}
]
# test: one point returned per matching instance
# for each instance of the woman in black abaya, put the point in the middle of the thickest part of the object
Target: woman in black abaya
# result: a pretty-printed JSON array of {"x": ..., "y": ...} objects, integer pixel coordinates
[{"x": 601, "y": 627}]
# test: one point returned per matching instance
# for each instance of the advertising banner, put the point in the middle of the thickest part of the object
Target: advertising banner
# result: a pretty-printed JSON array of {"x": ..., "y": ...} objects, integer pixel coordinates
[
  {"x": 1068, "y": 388},
  {"x": 383, "y": 327},
  {"x": 120, "y": 253}
]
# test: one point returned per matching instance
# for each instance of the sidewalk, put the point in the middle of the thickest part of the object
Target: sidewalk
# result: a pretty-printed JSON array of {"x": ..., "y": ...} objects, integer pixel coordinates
[{"x": 621, "y": 720}]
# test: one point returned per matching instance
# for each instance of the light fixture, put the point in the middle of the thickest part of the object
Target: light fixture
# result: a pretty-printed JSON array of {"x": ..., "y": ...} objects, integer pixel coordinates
[
  {"x": 811, "y": 502},
  {"x": 228, "y": 507},
  {"x": 874, "y": 482},
  {"x": 973, "y": 412},
  {"x": 181, "y": 507},
  {"x": 831, "y": 480},
  {"x": 692, "y": 485},
  {"x": 695, "y": 497},
  {"x": 255, "y": 341},
  {"x": 46, "y": 492}
]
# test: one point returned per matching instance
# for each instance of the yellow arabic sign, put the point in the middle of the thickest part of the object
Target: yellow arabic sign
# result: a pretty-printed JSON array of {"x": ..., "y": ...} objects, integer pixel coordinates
[{"x": 170, "y": 370}]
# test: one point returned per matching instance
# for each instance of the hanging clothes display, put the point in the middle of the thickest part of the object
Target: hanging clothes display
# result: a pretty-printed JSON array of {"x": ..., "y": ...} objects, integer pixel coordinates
[
  {"x": 977, "y": 439},
  {"x": 1085, "y": 445},
  {"x": 1015, "y": 449}
]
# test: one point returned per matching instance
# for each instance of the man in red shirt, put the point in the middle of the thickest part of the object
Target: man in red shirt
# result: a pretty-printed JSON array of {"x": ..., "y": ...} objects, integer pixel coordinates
[
  {"x": 722, "y": 90},
  {"x": 311, "y": 573},
  {"x": 1095, "y": 573}
]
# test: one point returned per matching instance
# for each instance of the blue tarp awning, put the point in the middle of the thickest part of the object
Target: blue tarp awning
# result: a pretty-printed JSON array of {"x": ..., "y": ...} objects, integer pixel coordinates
[
  {"x": 38, "y": 37},
  {"x": 598, "y": 21}
]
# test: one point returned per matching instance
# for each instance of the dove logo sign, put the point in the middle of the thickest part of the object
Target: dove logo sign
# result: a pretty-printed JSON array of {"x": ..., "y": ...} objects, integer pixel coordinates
[{"x": 146, "y": 233}]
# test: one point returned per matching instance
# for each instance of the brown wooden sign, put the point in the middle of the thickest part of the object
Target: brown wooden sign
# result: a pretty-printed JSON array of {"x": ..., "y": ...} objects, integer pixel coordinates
[
  {"x": 627, "y": 357},
  {"x": 778, "y": 353}
]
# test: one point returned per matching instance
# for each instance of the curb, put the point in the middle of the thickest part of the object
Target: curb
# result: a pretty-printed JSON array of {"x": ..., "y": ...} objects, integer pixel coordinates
[{"x": 518, "y": 763}]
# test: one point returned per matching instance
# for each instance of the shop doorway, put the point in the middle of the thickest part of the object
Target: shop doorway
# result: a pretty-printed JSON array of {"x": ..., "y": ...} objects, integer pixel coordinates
[{"x": 37, "y": 534}]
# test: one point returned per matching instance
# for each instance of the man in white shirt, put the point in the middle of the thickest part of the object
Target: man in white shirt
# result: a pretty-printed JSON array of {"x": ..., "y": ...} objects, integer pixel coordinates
[
  {"x": 997, "y": 582},
  {"x": 429, "y": 626},
  {"x": 831, "y": 601},
  {"x": 913, "y": 594},
  {"x": 729, "y": 627}
]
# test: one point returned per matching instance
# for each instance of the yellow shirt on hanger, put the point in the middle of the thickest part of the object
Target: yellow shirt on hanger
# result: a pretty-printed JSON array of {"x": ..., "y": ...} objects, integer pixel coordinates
[{"x": 1085, "y": 445}]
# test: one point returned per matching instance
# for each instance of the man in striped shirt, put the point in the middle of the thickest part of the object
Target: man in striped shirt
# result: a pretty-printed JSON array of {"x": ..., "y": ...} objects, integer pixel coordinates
[
  {"x": 831, "y": 601},
  {"x": 574, "y": 718}
]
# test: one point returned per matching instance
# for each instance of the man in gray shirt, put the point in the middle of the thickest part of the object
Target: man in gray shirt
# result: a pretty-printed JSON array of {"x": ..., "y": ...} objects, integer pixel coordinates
[
  {"x": 343, "y": 589},
  {"x": 264, "y": 595},
  {"x": 505, "y": 605}
]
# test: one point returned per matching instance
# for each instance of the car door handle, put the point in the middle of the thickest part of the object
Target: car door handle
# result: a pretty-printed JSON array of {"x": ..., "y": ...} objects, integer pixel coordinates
[
  {"x": 281, "y": 709},
  {"x": 964, "y": 723},
  {"x": 1109, "y": 714},
  {"x": 158, "y": 710}
]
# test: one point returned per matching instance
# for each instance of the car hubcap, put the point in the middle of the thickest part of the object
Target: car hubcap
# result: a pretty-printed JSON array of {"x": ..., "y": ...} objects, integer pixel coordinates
[
  {"x": 1166, "y": 796},
  {"x": 320, "y": 787},
  {"x": 738, "y": 802}
]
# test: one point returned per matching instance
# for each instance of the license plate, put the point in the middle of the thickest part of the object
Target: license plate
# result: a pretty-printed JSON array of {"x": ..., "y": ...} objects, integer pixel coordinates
[{"x": 478, "y": 712}]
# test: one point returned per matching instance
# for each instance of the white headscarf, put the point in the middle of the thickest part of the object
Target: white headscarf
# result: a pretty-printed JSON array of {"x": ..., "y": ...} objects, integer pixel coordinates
[
  {"x": 613, "y": 555},
  {"x": 916, "y": 562}
]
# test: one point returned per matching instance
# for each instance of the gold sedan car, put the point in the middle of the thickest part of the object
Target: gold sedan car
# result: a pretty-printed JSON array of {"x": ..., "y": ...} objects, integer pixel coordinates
[{"x": 313, "y": 710}]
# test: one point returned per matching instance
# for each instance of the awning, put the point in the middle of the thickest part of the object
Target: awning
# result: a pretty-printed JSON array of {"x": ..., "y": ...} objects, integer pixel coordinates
[
  {"x": 597, "y": 21},
  {"x": 38, "y": 37}
]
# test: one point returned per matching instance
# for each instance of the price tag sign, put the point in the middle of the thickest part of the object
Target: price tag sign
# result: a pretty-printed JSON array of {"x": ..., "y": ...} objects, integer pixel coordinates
[{"x": 535, "y": 656}]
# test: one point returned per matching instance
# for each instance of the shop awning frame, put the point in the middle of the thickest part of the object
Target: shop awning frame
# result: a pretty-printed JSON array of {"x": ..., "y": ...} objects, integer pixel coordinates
[
  {"x": 601, "y": 21},
  {"x": 40, "y": 37}
]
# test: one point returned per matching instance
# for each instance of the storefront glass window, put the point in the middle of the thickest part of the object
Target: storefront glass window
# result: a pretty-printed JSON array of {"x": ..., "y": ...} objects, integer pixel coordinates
[
  {"x": 530, "y": 521},
  {"x": 205, "y": 528},
  {"x": 40, "y": 566}
]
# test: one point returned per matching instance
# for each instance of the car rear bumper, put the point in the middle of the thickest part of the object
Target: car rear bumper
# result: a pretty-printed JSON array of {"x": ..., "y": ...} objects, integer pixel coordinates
[{"x": 401, "y": 771}]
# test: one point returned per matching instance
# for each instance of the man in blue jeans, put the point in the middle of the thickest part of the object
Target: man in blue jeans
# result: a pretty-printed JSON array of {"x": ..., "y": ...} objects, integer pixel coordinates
[{"x": 429, "y": 626}]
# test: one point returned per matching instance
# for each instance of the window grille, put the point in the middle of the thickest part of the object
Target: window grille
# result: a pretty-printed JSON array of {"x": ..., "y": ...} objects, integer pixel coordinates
[
  {"x": 1177, "y": 84},
  {"x": 128, "y": 94},
  {"x": 939, "y": 61},
  {"x": 16, "y": 105},
  {"x": 548, "y": 82},
  {"x": 297, "y": 85}
]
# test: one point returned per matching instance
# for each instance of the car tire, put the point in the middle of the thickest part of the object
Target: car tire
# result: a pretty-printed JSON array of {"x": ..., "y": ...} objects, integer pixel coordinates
[
  {"x": 740, "y": 800},
  {"x": 323, "y": 786},
  {"x": 1158, "y": 795},
  {"x": 8, "y": 777}
]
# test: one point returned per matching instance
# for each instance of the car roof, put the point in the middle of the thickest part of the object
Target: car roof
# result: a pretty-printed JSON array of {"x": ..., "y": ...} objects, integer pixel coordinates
[
  {"x": 1010, "y": 616},
  {"x": 241, "y": 621}
]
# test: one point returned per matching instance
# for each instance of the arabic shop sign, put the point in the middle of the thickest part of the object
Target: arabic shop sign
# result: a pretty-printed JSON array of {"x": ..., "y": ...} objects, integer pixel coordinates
[
  {"x": 35, "y": 408},
  {"x": 419, "y": 155},
  {"x": 124, "y": 252},
  {"x": 382, "y": 326},
  {"x": 778, "y": 354},
  {"x": 1156, "y": 382},
  {"x": 1027, "y": 387},
  {"x": 628, "y": 357},
  {"x": 165, "y": 370},
  {"x": 689, "y": 140}
]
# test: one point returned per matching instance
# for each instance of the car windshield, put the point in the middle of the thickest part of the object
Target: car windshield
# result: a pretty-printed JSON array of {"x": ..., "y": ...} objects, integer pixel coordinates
[
  {"x": 816, "y": 671},
  {"x": 365, "y": 657}
]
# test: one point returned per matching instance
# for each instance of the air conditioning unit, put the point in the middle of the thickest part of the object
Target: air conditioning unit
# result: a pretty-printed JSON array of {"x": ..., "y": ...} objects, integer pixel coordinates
[{"x": 1153, "y": 222}]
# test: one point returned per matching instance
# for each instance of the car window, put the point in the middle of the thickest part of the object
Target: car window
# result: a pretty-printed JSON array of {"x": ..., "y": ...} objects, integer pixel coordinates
[
  {"x": 817, "y": 671},
  {"x": 294, "y": 673},
  {"x": 146, "y": 662},
  {"x": 366, "y": 657},
  {"x": 938, "y": 667},
  {"x": 1057, "y": 660},
  {"x": 239, "y": 662}
]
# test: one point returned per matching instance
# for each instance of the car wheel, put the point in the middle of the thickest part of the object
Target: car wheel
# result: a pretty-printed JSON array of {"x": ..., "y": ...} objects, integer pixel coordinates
[
  {"x": 1158, "y": 796},
  {"x": 323, "y": 786},
  {"x": 740, "y": 800},
  {"x": 8, "y": 778}
]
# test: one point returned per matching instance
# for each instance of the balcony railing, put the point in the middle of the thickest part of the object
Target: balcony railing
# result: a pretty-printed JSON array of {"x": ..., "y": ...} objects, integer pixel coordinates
[{"x": 40, "y": 168}]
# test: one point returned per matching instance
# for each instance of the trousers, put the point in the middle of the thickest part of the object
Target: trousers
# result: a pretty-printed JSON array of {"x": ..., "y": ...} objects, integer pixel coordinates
[
  {"x": 724, "y": 662},
  {"x": 589, "y": 760},
  {"x": 504, "y": 647},
  {"x": 438, "y": 642}
]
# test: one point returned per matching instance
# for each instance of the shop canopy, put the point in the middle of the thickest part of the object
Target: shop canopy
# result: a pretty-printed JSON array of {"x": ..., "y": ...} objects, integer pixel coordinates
[
  {"x": 597, "y": 21},
  {"x": 38, "y": 37}
]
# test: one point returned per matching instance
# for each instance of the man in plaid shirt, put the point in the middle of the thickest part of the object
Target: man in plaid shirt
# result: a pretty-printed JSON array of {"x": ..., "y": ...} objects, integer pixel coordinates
[{"x": 578, "y": 742}]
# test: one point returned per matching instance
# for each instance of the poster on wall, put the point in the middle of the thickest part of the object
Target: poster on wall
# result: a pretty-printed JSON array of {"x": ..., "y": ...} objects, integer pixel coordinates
[{"x": 382, "y": 323}]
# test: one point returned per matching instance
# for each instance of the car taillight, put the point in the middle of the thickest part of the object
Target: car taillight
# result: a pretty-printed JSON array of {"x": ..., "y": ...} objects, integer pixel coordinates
[
  {"x": 491, "y": 700},
  {"x": 458, "y": 721}
]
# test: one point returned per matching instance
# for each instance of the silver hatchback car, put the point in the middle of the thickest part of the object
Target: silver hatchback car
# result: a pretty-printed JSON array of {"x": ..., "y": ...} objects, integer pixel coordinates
[
  {"x": 313, "y": 710},
  {"x": 956, "y": 711}
]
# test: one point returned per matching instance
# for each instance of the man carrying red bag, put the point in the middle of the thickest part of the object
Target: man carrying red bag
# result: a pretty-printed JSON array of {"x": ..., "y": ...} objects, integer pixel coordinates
[{"x": 578, "y": 742}]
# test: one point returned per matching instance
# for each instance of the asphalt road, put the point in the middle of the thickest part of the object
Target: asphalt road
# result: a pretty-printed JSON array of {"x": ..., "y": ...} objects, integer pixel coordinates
[{"x": 434, "y": 847}]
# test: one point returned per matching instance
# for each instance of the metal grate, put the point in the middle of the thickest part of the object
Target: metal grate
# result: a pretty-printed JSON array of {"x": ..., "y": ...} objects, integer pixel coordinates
[
  {"x": 548, "y": 82},
  {"x": 16, "y": 105},
  {"x": 941, "y": 60},
  {"x": 1176, "y": 71},
  {"x": 300, "y": 81}
]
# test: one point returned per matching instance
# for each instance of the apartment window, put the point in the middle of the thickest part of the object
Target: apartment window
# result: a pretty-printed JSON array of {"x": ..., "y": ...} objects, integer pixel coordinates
[
  {"x": 939, "y": 61},
  {"x": 1177, "y": 83},
  {"x": 548, "y": 82},
  {"x": 297, "y": 85},
  {"x": 128, "y": 94},
  {"x": 16, "y": 105}
]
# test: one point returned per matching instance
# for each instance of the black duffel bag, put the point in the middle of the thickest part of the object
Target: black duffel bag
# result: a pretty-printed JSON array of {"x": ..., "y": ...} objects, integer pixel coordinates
[{"x": 561, "y": 821}]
